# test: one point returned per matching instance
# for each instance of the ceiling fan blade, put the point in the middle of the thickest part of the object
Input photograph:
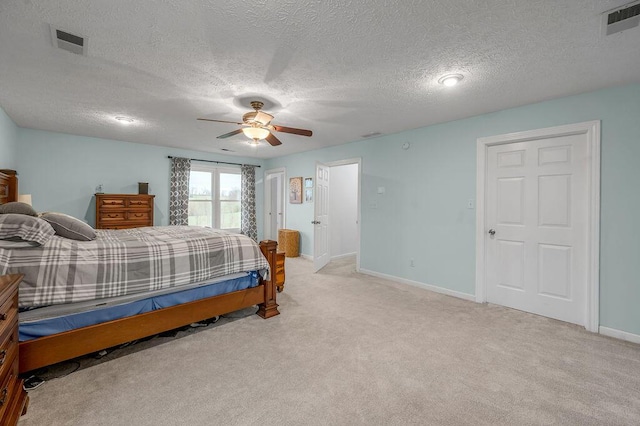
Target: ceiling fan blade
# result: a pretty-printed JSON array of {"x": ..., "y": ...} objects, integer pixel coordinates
[
  {"x": 228, "y": 135},
  {"x": 273, "y": 140},
  {"x": 219, "y": 121},
  {"x": 301, "y": 132}
]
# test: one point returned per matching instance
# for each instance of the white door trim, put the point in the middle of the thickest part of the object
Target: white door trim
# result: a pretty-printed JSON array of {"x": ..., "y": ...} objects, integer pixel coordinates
[
  {"x": 592, "y": 130},
  {"x": 358, "y": 161},
  {"x": 267, "y": 194}
]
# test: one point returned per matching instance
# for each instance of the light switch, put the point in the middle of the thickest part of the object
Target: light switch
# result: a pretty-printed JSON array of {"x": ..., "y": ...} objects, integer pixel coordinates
[
  {"x": 381, "y": 190},
  {"x": 470, "y": 204}
]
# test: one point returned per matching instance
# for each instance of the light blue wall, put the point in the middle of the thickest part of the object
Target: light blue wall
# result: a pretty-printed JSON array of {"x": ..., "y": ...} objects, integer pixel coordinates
[
  {"x": 61, "y": 172},
  {"x": 8, "y": 141},
  {"x": 423, "y": 213}
]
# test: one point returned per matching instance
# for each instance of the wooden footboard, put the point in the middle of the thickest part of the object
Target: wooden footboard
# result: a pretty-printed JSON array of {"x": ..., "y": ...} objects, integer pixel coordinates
[
  {"x": 269, "y": 307},
  {"x": 49, "y": 350}
]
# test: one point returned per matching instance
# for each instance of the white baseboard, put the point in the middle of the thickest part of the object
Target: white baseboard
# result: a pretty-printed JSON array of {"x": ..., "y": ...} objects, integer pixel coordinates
[
  {"x": 306, "y": 256},
  {"x": 441, "y": 290},
  {"x": 619, "y": 334},
  {"x": 340, "y": 256}
]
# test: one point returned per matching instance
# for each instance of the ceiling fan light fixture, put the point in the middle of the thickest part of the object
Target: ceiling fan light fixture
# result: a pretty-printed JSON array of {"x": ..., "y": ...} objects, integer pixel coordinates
[
  {"x": 263, "y": 118},
  {"x": 257, "y": 126},
  {"x": 255, "y": 133},
  {"x": 450, "y": 80}
]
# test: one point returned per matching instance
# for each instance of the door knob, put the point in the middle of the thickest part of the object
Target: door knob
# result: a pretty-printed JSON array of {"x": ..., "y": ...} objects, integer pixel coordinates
[
  {"x": 492, "y": 232},
  {"x": 315, "y": 222}
]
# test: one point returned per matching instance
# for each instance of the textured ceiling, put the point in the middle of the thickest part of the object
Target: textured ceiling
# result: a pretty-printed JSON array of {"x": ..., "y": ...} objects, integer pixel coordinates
[{"x": 340, "y": 68}]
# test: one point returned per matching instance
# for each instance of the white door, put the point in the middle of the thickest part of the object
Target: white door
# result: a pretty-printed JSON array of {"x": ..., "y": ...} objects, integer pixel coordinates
[
  {"x": 274, "y": 204},
  {"x": 321, "y": 222},
  {"x": 537, "y": 219}
]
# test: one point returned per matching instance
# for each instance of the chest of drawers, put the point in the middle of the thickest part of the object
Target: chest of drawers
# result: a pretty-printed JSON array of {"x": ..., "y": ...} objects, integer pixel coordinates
[
  {"x": 13, "y": 398},
  {"x": 120, "y": 211}
]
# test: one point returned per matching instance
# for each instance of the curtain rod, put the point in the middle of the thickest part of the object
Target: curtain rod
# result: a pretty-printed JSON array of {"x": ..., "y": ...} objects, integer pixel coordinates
[{"x": 219, "y": 162}]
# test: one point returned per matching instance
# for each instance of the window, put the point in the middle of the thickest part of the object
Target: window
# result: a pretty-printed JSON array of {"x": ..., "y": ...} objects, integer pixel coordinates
[{"x": 214, "y": 197}]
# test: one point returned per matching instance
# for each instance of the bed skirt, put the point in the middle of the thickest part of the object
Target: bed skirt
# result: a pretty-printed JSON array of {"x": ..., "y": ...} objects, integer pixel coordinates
[{"x": 39, "y": 327}]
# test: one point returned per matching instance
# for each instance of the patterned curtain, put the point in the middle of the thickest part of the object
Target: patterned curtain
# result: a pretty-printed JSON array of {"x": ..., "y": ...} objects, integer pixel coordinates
[
  {"x": 179, "y": 197},
  {"x": 248, "y": 226}
]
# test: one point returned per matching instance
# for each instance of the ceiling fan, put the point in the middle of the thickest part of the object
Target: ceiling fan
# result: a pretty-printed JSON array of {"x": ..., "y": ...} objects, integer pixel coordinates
[{"x": 257, "y": 126}]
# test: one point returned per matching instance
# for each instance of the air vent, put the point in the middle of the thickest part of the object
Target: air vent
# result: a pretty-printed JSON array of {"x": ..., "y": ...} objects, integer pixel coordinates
[
  {"x": 371, "y": 135},
  {"x": 67, "y": 41},
  {"x": 622, "y": 19}
]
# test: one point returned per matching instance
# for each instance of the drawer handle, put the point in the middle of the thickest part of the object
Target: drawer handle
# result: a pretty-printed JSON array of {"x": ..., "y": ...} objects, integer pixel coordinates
[
  {"x": 139, "y": 215},
  {"x": 112, "y": 215},
  {"x": 3, "y": 317},
  {"x": 3, "y": 356},
  {"x": 4, "y": 393},
  {"x": 113, "y": 202}
]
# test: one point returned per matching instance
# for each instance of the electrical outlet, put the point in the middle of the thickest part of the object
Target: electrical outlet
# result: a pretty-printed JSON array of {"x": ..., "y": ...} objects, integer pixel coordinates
[{"x": 412, "y": 263}]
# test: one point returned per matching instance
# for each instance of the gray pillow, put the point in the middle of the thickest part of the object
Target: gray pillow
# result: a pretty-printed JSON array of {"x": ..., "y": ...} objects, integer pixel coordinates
[
  {"x": 16, "y": 207},
  {"x": 21, "y": 228},
  {"x": 69, "y": 227}
]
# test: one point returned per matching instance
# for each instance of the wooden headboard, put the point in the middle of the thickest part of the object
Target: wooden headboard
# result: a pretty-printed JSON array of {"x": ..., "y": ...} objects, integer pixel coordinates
[{"x": 8, "y": 186}]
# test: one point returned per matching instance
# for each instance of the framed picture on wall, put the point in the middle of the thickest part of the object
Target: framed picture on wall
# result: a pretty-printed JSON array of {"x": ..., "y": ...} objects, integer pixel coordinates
[
  {"x": 308, "y": 182},
  {"x": 295, "y": 190}
]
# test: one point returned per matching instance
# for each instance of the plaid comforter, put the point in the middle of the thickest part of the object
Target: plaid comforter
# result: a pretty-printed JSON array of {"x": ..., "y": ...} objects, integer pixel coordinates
[{"x": 127, "y": 261}]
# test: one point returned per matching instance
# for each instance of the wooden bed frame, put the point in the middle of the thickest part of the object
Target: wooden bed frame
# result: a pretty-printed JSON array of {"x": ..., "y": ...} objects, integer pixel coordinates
[{"x": 51, "y": 349}]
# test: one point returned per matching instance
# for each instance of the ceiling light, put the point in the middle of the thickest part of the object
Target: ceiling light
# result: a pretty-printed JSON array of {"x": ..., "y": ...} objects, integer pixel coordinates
[
  {"x": 255, "y": 133},
  {"x": 450, "y": 79},
  {"x": 124, "y": 120}
]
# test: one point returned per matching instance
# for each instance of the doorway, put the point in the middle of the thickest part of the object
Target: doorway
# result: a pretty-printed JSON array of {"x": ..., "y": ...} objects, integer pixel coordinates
[
  {"x": 343, "y": 211},
  {"x": 537, "y": 222},
  {"x": 274, "y": 202}
]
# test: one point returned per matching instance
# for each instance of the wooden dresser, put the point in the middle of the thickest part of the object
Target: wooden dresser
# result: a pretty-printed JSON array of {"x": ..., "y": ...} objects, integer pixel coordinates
[
  {"x": 120, "y": 211},
  {"x": 13, "y": 398}
]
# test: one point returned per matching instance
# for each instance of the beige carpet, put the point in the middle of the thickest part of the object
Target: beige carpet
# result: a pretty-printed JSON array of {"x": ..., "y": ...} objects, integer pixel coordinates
[{"x": 349, "y": 350}]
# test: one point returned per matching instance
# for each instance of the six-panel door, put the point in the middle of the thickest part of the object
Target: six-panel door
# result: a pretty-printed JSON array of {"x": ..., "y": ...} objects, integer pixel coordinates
[{"x": 537, "y": 206}]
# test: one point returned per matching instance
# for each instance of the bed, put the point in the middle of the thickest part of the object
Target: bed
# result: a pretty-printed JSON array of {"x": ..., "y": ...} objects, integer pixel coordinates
[{"x": 198, "y": 290}]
